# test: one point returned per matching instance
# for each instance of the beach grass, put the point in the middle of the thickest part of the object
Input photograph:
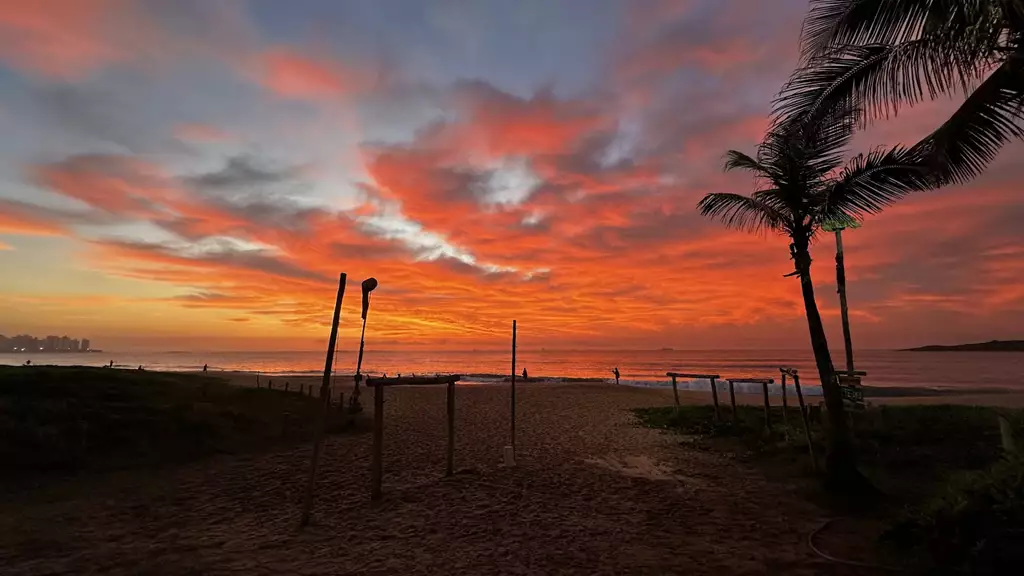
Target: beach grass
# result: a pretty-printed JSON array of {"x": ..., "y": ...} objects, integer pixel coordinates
[
  {"x": 951, "y": 496},
  {"x": 66, "y": 420}
]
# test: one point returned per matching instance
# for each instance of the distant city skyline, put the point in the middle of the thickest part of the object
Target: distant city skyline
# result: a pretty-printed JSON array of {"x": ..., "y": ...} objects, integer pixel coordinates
[{"x": 29, "y": 343}]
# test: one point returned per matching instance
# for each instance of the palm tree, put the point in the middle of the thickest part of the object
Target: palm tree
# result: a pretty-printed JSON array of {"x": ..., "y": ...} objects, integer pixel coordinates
[
  {"x": 804, "y": 183},
  {"x": 890, "y": 53}
]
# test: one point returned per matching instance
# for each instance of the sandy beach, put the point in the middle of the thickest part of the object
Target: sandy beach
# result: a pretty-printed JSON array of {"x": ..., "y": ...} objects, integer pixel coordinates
[{"x": 592, "y": 493}]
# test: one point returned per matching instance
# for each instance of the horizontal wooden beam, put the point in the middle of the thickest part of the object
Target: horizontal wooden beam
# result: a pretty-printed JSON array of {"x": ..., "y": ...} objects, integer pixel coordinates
[
  {"x": 414, "y": 380},
  {"x": 852, "y": 372},
  {"x": 752, "y": 380},
  {"x": 684, "y": 375}
]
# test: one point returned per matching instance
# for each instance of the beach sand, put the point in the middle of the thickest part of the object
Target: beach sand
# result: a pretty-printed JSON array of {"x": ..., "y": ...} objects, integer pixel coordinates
[{"x": 592, "y": 493}]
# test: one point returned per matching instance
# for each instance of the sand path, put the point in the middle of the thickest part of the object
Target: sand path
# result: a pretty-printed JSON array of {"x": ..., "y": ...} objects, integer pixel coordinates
[{"x": 592, "y": 494}]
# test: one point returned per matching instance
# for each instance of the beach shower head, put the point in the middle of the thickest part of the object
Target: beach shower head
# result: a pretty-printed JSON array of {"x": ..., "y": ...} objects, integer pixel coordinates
[{"x": 368, "y": 286}]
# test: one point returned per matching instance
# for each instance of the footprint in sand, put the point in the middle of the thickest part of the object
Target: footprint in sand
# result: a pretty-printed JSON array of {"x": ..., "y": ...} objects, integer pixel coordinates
[{"x": 640, "y": 467}]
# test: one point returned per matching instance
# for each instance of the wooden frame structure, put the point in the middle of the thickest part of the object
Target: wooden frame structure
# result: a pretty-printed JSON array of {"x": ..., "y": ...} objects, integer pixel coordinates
[
  {"x": 378, "y": 385},
  {"x": 764, "y": 382},
  {"x": 792, "y": 373},
  {"x": 711, "y": 377}
]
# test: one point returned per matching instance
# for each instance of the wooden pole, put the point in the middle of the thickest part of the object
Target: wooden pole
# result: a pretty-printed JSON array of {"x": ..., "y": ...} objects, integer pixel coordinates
[
  {"x": 675, "y": 391},
  {"x": 714, "y": 396},
  {"x": 767, "y": 407},
  {"x": 807, "y": 426},
  {"x": 785, "y": 407},
  {"x": 450, "y": 468},
  {"x": 513, "y": 407},
  {"x": 376, "y": 465},
  {"x": 318, "y": 426},
  {"x": 732, "y": 400},
  {"x": 1006, "y": 435}
]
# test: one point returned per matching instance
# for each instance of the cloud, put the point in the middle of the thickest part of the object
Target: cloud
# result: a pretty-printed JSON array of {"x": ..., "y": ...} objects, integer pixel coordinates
[
  {"x": 241, "y": 172},
  {"x": 195, "y": 132},
  {"x": 60, "y": 39},
  {"x": 481, "y": 188},
  {"x": 291, "y": 74}
]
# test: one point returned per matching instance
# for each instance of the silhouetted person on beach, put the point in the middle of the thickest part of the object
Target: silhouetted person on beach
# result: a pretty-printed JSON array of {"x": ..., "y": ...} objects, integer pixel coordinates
[
  {"x": 525, "y": 375},
  {"x": 205, "y": 366},
  {"x": 111, "y": 363},
  {"x": 140, "y": 368},
  {"x": 28, "y": 362},
  {"x": 616, "y": 372}
]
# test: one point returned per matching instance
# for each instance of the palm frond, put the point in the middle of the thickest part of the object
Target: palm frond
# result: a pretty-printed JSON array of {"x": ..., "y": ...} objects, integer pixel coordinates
[
  {"x": 872, "y": 81},
  {"x": 736, "y": 160},
  {"x": 871, "y": 182},
  {"x": 743, "y": 212},
  {"x": 833, "y": 23},
  {"x": 991, "y": 116},
  {"x": 805, "y": 149}
]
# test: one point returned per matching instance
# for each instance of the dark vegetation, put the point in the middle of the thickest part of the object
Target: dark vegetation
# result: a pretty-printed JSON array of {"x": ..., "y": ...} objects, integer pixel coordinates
[
  {"x": 952, "y": 499},
  {"x": 990, "y": 346},
  {"x": 62, "y": 421}
]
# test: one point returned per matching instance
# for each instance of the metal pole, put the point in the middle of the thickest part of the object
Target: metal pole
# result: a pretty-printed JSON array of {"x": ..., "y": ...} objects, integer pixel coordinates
[
  {"x": 325, "y": 400},
  {"x": 513, "y": 386}
]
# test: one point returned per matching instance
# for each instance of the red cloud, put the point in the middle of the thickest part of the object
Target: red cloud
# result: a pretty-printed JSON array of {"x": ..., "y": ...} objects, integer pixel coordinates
[
  {"x": 59, "y": 38},
  {"x": 291, "y": 74}
]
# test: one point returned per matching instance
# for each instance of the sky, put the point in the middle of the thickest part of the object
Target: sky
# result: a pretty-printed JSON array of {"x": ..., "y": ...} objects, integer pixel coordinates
[{"x": 188, "y": 174}]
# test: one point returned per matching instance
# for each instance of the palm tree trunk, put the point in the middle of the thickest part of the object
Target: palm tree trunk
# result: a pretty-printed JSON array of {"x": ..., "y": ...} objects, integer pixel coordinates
[{"x": 840, "y": 462}]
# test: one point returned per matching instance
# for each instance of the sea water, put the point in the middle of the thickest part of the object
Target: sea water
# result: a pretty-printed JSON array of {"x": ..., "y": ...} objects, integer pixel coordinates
[{"x": 940, "y": 370}]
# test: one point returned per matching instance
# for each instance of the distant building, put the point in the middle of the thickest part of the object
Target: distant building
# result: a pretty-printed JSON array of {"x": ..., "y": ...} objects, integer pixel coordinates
[
  {"x": 52, "y": 344},
  {"x": 65, "y": 344},
  {"x": 85, "y": 345},
  {"x": 74, "y": 345}
]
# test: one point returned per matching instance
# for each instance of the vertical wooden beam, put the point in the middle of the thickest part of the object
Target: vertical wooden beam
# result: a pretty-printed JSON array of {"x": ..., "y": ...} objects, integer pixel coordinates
[
  {"x": 513, "y": 401},
  {"x": 785, "y": 408},
  {"x": 732, "y": 399},
  {"x": 1006, "y": 435},
  {"x": 807, "y": 425},
  {"x": 450, "y": 468},
  {"x": 767, "y": 407},
  {"x": 318, "y": 426},
  {"x": 376, "y": 464},
  {"x": 714, "y": 396},
  {"x": 675, "y": 391}
]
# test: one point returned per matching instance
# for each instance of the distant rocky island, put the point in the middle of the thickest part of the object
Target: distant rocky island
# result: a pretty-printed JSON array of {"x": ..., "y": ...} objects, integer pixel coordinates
[{"x": 990, "y": 346}]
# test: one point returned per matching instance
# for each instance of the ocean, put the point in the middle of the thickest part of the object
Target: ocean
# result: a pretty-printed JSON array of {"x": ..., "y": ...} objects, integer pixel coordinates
[{"x": 940, "y": 370}]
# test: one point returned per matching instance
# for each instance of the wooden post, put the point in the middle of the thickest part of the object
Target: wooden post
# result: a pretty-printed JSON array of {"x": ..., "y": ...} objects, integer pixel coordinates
[
  {"x": 1006, "y": 435},
  {"x": 714, "y": 396},
  {"x": 376, "y": 466},
  {"x": 450, "y": 468},
  {"x": 732, "y": 400},
  {"x": 807, "y": 425},
  {"x": 318, "y": 426},
  {"x": 513, "y": 401},
  {"x": 785, "y": 405},
  {"x": 257, "y": 378},
  {"x": 767, "y": 407},
  {"x": 675, "y": 391}
]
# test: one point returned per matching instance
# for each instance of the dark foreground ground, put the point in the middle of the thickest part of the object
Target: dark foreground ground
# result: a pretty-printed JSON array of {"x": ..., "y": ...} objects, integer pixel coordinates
[{"x": 593, "y": 493}]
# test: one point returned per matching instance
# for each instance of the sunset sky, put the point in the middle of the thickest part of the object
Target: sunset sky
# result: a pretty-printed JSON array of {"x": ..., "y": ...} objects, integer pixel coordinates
[{"x": 194, "y": 174}]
